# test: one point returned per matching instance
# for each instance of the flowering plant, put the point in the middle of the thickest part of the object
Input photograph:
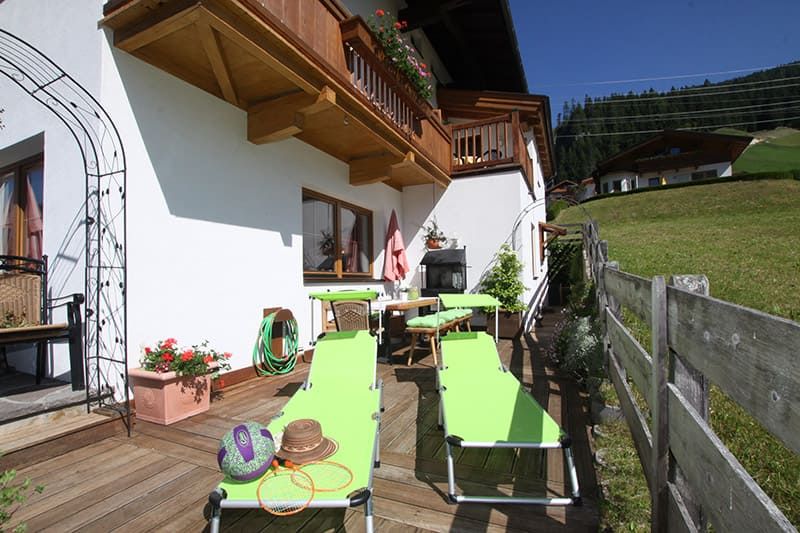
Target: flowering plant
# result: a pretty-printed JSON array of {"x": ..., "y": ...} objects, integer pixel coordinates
[
  {"x": 402, "y": 56},
  {"x": 194, "y": 361}
]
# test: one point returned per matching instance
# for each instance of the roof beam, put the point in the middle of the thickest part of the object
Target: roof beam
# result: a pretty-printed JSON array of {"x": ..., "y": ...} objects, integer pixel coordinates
[
  {"x": 211, "y": 44},
  {"x": 274, "y": 120},
  {"x": 286, "y": 116},
  {"x": 154, "y": 27},
  {"x": 373, "y": 169}
]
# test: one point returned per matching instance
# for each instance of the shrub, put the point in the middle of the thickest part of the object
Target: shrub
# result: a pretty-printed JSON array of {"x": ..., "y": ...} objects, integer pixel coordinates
[
  {"x": 12, "y": 495},
  {"x": 554, "y": 208},
  {"x": 503, "y": 281},
  {"x": 579, "y": 350}
]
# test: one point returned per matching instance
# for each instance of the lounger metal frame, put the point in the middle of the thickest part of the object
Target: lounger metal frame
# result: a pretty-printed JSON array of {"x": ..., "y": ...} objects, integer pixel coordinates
[{"x": 565, "y": 443}]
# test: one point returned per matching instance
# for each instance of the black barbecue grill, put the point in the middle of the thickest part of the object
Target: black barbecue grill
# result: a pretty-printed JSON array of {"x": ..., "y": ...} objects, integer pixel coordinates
[{"x": 445, "y": 272}]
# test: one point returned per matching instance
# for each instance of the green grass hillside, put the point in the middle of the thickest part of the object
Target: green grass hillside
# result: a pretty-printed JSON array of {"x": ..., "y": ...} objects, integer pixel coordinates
[
  {"x": 745, "y": 236},
  {"x": 777, "y": 150}
]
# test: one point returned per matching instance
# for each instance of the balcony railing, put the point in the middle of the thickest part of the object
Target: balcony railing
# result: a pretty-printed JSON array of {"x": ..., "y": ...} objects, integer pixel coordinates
[
  {"x": 382, "y": 93},
  {"x": 492, "y": 143}
]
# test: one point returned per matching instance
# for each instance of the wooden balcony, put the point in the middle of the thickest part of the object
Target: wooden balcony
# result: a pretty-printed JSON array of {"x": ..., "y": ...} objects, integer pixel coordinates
[
  {"x": 491, "y": 144},
  {"x": 301, "y": 69}
]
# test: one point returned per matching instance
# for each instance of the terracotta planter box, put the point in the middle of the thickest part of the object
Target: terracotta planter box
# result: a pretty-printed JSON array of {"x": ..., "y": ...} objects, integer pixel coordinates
[
  {"x": 165, "y": 398},
  {"x": 509, "y": 324}
]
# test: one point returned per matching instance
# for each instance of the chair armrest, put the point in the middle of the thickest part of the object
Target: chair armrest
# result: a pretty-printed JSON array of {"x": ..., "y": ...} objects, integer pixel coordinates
[{"x": 75, "y": 299}]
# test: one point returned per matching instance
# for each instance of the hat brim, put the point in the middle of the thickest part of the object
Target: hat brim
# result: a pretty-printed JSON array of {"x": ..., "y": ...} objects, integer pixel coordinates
[{"x": 326, "y": 448}]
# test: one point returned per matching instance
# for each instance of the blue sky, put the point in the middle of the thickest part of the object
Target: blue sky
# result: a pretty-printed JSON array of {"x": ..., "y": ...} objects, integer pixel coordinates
[{"x": 566, "y": 42}]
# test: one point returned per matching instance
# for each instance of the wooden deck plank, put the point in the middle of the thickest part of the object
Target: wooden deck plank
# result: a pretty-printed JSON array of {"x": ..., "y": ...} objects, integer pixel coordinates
[
  {"x": 103, "y": 507},
  {"x": 190, "y": 455},
  {"x": 176, "y": 436},
  {"x": 63, "y": 516},
  {"x": 124, "y": 514},
  {"x": 86, "y": 481},
  {"x": 68, "y": 459},
  {"x": 176, "y": 500}
]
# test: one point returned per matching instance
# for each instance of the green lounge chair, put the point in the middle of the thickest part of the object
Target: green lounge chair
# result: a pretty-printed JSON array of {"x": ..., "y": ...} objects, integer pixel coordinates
[
  {"x": 342, "y": 393},
  {"x": 482, "y": 405}
]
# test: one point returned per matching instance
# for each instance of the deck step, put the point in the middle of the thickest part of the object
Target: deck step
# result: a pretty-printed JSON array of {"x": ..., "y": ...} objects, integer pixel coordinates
[{"x": 36, "y": 439}]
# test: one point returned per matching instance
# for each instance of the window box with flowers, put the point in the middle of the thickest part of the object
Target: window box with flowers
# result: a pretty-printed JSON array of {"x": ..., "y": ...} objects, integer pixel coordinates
[
  {"x": 381, "y": 40},
  {"x": 175, "y": 383}
]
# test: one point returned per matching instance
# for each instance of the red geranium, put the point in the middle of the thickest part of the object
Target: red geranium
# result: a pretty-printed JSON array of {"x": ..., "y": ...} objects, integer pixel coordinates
[
  {"x": 194, "y": 361},
  {"x": 400, "y": 54}
]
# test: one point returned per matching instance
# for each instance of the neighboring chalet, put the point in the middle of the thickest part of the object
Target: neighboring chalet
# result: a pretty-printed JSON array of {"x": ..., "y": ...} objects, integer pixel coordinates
[
  {"x": 670, "y": 157},
  {"x": 563, "y": 190},
  {"x": 267, "y": 144},
  {"x": 586, "y": 190}
]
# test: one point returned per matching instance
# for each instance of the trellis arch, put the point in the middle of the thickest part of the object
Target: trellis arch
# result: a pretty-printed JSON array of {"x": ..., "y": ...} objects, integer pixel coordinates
[{"x": 106, "y": 328}]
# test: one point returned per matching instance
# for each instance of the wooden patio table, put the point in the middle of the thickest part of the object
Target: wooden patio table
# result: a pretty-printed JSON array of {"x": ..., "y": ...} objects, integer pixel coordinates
[{"x": 398, "y": 305}]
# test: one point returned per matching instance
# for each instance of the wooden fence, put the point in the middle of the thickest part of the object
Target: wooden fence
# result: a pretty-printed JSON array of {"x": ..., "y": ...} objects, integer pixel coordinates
[{"x": 751, "y": 356}]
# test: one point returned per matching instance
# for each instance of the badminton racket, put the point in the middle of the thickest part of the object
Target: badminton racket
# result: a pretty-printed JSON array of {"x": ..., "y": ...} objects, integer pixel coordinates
[
  {"x": 327, "y": 476},
  {"x": 285, "y": 491}
]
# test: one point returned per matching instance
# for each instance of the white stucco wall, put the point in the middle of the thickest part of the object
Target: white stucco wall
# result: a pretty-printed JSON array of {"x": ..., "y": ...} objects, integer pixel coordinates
[{"x": 215, "y": 222}]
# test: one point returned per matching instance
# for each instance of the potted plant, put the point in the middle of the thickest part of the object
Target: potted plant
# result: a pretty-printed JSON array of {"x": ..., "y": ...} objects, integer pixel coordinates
[
  {"x": 175, "y": 383},
  {"x": 433, "y": 237},
  {"x": 400, "y": 54},
  {"x": 504, "y": 283}
]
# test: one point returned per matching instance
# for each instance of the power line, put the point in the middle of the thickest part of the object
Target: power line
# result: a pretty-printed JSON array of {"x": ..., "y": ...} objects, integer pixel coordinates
[
  {"x": 737, "y": 84},
  {"x": 663, "y": 78},
  {"x": 683, "y": 114},
  {"x": 680, "y": 129},
  {"x": 673, "y": 97}
]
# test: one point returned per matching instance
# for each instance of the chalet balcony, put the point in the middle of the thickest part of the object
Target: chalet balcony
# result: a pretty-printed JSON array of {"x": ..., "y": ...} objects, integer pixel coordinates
[
  {"x": 302, "y": 69},
  {"x": 491, "y": 144}
]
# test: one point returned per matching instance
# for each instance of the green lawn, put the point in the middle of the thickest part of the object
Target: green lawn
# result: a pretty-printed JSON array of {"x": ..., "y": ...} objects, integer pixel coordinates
[
  {"x": 745, "y": 236},
  {"x": 774, "y": 154}
]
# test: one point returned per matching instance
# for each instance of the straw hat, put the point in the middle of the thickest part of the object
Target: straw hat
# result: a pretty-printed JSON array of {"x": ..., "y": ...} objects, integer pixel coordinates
[{"x": 303, "y": 442}]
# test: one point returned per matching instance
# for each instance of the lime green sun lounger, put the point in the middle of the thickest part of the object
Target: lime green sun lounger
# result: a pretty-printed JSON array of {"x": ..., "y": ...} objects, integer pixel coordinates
[
  {"x": 342, "y": 393},
  {"x": 482, "y": 405}
]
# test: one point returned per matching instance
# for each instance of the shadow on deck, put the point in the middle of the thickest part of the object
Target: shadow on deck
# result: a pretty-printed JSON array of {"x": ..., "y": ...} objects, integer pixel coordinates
[{"x": 160, "y": 478}]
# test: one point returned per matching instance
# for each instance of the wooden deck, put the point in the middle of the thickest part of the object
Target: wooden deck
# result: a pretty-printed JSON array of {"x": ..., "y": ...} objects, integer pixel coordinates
[{"x": 160, "y": 478}]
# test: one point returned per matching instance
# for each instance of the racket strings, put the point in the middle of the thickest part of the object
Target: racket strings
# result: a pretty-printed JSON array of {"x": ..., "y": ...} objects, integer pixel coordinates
[
  {"x": 326, "y": 476},
  {"x": 285, "y": 491}
]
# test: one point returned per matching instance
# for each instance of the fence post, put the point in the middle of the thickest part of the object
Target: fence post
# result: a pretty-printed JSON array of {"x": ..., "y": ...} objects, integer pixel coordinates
[
  {"x": 659, "y": 491},
  {"x": 695, "y": 387}
]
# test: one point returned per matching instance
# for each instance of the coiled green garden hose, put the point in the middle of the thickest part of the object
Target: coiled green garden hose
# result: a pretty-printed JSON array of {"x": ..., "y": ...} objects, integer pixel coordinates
[{"x": 264, "y": 361}]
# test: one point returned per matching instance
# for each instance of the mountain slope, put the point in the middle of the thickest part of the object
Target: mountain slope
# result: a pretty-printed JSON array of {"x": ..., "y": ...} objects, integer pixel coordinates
[{"x": 598, "y": 128}]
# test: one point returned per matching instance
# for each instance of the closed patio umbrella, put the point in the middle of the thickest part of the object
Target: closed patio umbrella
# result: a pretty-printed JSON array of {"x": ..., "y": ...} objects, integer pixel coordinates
[{"x": 395, "y": 266}]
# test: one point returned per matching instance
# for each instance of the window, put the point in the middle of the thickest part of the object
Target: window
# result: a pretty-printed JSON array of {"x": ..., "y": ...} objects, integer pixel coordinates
[
  {"x": 21, "y": 208},
  {"x": 704, "y": 174},
  {"x": 605, "y": 188},
  {"x": 617, "y": 185},
  {"x": 337, "y": 238},
  {"x": 653, "y": 182}
]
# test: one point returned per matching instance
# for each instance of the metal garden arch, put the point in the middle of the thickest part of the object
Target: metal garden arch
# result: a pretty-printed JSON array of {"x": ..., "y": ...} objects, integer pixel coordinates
[{"x": 105, "y": 337}]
